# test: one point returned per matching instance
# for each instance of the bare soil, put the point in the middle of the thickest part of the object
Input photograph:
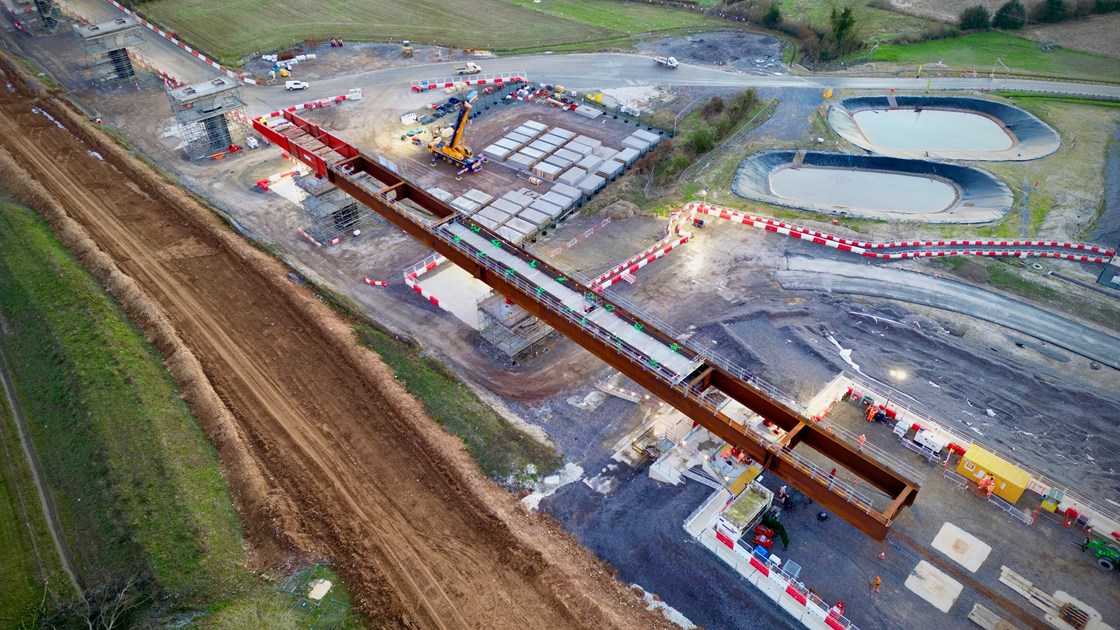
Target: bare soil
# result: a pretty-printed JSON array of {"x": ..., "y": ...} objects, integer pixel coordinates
[
  {"x": 326, "y": 453},
  {"x": 1096, "y": 34}
]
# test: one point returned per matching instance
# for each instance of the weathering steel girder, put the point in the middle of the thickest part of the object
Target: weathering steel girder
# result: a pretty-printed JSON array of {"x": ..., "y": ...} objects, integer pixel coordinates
[{"x": 667, "y": 385}]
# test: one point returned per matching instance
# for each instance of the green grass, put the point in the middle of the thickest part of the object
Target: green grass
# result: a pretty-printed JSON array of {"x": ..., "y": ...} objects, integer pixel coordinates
[
  {"x": 502, "y": 451},
  {"x": 979, "y": 52},
  {"x": 136, "y": 481},
  {"x": 235, "y": 29},
  {"x": 871, "y": 23},
  {"x": 29, "y": 559}
]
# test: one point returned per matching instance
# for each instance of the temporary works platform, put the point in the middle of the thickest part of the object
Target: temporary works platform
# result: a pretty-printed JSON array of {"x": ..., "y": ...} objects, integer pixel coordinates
[
  {"x": 209, "y": 116},
  {"x": 331, "y": 213},
  {"x": 34, "y": 16},
  {"x": 109, "y": 46},
  {"x": 1011, "y": 480},
  {"x": 647, "y": 353},
  {"x": 508, "y": 328}
]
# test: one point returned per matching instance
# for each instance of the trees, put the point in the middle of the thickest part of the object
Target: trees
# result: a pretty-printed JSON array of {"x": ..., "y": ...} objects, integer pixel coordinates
[
  {"x": 842, "y": 36},
  {"x": 974, "y": 18},
  {"x": 1051, "y": 11},
  {"x": 1011, "y": 16},
  {"x": 773, "y": 16}
]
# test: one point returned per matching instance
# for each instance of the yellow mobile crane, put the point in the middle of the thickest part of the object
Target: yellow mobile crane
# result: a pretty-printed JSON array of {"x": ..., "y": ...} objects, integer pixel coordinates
[{"x": 454, "y": 150}]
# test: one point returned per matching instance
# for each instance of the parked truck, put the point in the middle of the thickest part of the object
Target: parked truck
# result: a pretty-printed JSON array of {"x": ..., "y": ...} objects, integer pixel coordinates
[
  {"x": 668, "y": 62},
  {"x": 745, "y": 512},
  {"x": 470, "y": 68}
]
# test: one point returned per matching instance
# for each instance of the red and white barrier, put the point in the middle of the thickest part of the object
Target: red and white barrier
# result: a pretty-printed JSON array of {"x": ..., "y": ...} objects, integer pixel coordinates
[
  {"x": 353, "y": 95},
  {"x": 272, "y": 179},
  {"x": 423, "y": 267},
  {"x": 490, "y": 79},
  {"x": 171, "y": 38},
  {"x": 374, "y": 283}
]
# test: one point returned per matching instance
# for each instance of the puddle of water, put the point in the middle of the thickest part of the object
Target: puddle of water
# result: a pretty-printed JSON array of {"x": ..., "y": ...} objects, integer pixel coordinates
[
  {"x": 866, "y": 190},
  {"x": 931, "y": 130}
]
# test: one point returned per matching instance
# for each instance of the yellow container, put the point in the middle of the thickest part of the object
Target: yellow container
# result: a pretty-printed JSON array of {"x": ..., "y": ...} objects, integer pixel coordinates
[{"x": 1011, "y": 480}]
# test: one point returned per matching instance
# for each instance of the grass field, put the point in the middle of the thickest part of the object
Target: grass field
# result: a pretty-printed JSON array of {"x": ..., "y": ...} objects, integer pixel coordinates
[
  {"x": 979, "y": 52},
  {"x": 234, "y": 29},
  {"x": 136, "y": 481},
  {"x": 871, "y": 23},
  {"x": 29, "y": 558},
  {"x": 502, "y": 451}
]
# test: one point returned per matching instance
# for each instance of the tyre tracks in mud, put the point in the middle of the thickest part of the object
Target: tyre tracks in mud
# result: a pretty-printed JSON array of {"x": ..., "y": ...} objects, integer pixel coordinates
[{"x": 367, "y": 481}]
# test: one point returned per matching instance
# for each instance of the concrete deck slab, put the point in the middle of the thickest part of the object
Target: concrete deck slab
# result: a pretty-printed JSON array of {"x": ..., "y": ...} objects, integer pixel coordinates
[
  {"x": 935, "y": 587},
  {"x": 961, "y": 546}
]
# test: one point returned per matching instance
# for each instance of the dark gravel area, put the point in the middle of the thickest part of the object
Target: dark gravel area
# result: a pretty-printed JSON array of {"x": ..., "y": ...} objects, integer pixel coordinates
[
  {"x": 639, "y": 529},
  {"x": 754, "y": 53},
  {"x": 790, "y": 120},
  {"x": 1107, "y": 231}
]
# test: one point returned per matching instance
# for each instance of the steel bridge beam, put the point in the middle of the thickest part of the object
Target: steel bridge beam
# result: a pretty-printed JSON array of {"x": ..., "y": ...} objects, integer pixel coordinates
[{"x": 343, "y": 165}]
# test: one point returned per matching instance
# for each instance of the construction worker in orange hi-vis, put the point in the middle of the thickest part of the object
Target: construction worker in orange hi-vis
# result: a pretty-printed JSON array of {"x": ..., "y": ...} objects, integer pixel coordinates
[{"x": 876, "y": 582}]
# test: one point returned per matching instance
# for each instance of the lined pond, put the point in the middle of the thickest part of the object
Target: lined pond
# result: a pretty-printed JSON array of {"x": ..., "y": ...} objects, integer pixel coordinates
[{"x": 862, "y": 189}]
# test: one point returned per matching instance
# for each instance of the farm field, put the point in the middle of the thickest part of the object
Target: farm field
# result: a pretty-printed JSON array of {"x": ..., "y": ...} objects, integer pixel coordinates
[
  {"x": 136, "y": 482},
  {"x": 1096, "y": 34},
  {"x": 29, "y": 557},
  {"x": 872, "y": 23},
  {"x": 233, "y": 30},
  {"x": 979, "y": 52}
]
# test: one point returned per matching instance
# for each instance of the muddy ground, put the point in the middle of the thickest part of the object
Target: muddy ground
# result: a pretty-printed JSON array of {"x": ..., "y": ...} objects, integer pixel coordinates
[
  {"x": 753, "y": 53},
  {"x": 356, "y": 471}
]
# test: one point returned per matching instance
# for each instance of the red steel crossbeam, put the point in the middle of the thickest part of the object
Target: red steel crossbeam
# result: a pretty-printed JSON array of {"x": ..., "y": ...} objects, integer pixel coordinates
[{"x": 353, "y": 172}]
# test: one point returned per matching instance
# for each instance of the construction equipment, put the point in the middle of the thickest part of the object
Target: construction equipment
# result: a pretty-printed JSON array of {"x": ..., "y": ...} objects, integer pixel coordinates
[
  {"x": 454, "y": 150},
  {"x": 1108, "y": 557},
  {"x": 470, "y": 68},
  {"x": 406, "y": 48},
  {"x": 668, "y": 62}
]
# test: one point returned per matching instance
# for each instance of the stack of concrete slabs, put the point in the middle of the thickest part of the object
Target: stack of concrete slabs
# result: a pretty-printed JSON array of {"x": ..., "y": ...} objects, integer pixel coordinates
[
  {"x": 579, "y": 148},
  {"x": 490, "y": 213},
  {"x": 521, "y": 225},
  {"x": 536, "y": 154},
  {"x": 510, "y": 234},
  {"x": 505, "y": 205},
  {"x": 604, "y": 152},
  {"x": 590, "y": 184},
  {"x": 627, "y": 156},
  {"x": 611, "y": 169},
  {"x": 559, "y": 162},
  {"x": 572, "y": 175},
  {"x": 557, "y": 199},
  {"x": 477, "y": 195},
  {"x": 563, "y": 133},
  {"x": 486, "y": 223},
  {"x": 589, "y": 141},
  {"x": 536, "y": 217},
  {"x": 440, "y": 194},
  {"x": 589, "y": 164},
  {"x": 534, "y": 125},
  {"x": 462, "y": 204},
  {"x": 554, "y": 138},
  {"x": 649, "y": 137},
  {"x": 546, "y": 170},
  {"x": 634, "y": 142},
  {"x": 550, "y": 209},
  {"x": 518, "y": 198},
  {"x": 569, "y": 192},
  {"x": 567, "y": 154},
  {"x": 520, "y": 160},
  {"x": 542, "y": 145},
  {"x": 496, "y": 152}
]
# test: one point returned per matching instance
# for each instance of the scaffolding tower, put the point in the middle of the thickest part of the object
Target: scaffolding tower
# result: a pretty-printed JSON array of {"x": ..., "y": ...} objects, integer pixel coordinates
[
  {"x": 210, "y": 115},
  {"x": 510, "y": 329},
  {"x": 110, "y": 47},
  {"x": 331, "y": 213},
  {"x": 38, "y": 17}
]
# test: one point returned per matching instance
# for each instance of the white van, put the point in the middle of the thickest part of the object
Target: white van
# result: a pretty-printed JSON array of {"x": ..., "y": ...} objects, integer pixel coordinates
[{"x": 296, "y": 85}]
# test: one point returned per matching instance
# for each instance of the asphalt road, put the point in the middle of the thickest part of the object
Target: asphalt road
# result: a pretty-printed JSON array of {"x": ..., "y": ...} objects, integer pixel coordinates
[{"x": 896, "y": 284}]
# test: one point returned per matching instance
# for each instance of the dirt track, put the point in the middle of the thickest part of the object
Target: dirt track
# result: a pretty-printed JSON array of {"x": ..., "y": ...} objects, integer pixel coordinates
[{"x": 325, "y": 452}]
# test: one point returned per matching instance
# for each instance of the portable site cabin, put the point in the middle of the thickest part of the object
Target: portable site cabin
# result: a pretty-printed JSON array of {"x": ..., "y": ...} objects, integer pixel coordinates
[{"x": 1011, "y": 480}]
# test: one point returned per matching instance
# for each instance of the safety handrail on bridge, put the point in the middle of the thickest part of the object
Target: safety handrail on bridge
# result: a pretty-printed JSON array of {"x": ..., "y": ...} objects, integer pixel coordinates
[{"x": 667, "y": 368}]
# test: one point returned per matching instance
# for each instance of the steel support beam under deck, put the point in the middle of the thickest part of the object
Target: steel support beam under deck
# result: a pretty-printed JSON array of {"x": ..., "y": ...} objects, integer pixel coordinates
[{"x": 384, "y": 191}]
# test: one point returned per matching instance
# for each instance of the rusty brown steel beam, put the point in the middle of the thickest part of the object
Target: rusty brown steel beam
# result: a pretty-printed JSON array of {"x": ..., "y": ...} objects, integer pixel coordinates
[{"x": 392, "y": 189}]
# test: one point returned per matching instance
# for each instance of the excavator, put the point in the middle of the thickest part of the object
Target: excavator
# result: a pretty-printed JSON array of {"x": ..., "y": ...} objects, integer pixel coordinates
[{"x": 453, "y": 149}]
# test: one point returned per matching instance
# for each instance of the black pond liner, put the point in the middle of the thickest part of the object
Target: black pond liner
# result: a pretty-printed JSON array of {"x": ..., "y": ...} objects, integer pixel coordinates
[
  {"x": 1032, "y": 137},
  {"x": 981, "y": 197}
]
